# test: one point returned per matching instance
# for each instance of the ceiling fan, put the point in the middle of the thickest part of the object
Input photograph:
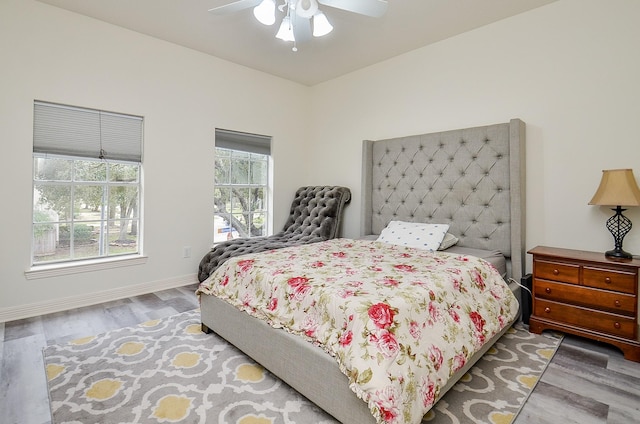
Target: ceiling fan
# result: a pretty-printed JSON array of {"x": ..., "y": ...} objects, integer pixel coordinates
[{"x": 296, "y": 24}]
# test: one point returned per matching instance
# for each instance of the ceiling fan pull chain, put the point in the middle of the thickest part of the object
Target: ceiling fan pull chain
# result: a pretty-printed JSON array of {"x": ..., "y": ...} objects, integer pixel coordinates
[{"x": 302, "y": 18}]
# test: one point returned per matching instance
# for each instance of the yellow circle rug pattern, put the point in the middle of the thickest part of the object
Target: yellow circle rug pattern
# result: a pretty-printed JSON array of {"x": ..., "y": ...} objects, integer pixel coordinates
[
  {"x": 168, "y": 371},
  {"x": 495, "y": 389}
]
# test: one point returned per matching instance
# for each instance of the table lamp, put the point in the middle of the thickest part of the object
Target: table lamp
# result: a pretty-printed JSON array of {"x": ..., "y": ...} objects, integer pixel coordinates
[{"x": 617, "y": 188}]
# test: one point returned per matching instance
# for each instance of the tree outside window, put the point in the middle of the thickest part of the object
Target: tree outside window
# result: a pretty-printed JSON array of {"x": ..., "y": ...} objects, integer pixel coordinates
[
  {"x": 240, "y": 196},
  {"x": 84, "y": 208}
]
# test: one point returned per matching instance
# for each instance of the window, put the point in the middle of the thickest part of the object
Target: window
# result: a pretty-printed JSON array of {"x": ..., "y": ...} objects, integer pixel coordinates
[
  {"x": 86, "y": 184},
  {"x": 241, "y": 185}
]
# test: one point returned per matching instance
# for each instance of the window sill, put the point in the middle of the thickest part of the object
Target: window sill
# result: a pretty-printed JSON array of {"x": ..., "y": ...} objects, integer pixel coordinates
[{"x": 55, "y": 270}]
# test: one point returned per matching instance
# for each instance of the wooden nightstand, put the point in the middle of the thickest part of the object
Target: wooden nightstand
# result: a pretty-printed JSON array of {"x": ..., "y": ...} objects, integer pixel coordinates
[{"x": 586, "y": 294}]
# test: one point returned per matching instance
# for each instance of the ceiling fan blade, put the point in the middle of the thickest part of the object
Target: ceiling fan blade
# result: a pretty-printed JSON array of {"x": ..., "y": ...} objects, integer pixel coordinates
[
  {"x": 234, "y": 6},
  {"x": 373, "y": 8}
]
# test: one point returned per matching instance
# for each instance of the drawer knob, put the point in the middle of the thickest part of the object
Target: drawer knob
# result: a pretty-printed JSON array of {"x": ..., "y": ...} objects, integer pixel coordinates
[
  {"x": 616, "y": 325},
  {"x": 548, "y": 310},
  {"x": 556, "y": 272},
  {"x": 617, "y": 303},
  {"x": 607, "y": 280},
  {"x": 547, "y": 290}
]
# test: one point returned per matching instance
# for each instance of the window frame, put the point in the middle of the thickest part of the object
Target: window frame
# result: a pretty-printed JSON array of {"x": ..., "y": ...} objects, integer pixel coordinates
[
  {"x": 124, "y": 148},
  {"x": 74, "y": 184},
  {"x": 244, "y": 144}
]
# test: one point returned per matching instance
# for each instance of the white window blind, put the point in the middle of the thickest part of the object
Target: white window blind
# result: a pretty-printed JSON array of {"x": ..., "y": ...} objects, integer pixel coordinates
[
  {"x": 246, "y": 142},
  {"x": 88, "y": 133}
]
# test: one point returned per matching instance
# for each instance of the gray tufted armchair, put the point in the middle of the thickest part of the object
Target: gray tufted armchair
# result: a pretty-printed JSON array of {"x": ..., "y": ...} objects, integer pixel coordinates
[{"x": 315, "y": 215}]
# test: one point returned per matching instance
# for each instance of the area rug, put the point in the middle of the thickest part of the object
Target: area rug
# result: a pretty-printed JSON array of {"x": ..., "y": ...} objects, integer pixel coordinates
[
  {"x": 168, "y": 371},
  {"x": 497, "y": 386}
]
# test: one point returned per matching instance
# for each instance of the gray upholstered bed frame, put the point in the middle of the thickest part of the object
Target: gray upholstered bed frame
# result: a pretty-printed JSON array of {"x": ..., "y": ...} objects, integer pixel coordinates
[{"x": 472, "y": 179}]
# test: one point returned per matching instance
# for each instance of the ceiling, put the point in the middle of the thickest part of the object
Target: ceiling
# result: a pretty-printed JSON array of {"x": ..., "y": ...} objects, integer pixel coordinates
[{"x": 357, "y": 41}]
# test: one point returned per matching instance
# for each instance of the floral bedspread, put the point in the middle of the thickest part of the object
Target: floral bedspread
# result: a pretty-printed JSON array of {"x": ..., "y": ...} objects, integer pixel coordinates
[{"x": 399, "y": 321}]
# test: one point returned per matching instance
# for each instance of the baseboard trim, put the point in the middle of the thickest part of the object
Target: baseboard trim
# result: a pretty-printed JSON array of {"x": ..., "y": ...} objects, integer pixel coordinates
[{"x": 57, "y": 305}]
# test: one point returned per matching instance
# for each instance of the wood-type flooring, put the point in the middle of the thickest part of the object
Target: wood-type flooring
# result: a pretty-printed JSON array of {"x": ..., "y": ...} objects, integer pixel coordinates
[{"x": 586, "y": 382}]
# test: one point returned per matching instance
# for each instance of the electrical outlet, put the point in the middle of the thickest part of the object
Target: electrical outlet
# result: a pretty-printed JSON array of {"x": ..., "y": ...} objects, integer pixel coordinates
[{"x": 186, "y": 252}]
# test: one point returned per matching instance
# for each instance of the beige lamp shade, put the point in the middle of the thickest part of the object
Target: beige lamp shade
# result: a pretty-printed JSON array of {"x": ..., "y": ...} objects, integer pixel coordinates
[{"x": 618, "y": 187}]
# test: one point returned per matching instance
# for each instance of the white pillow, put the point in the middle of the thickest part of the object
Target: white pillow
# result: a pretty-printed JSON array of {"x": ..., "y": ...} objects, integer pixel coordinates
[
  {"x": 448, "y": 241},
  {"x": 414, "y": 234}
]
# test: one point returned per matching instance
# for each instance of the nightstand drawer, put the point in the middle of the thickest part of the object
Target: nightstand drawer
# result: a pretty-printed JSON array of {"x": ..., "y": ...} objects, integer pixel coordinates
[
  {"x": 586, "y": 318},
  {"x": 618, "y": 303},
  {"x": 557, "y": 271},
  {"x": 610, "y": 279}
]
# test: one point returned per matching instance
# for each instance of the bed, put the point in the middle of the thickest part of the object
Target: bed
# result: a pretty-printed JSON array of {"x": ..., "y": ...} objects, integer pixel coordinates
[{"x": 471, "y": 183}]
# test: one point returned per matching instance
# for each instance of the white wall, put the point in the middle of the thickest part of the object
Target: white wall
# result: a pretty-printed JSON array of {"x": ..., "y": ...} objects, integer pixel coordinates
[
  {"x": 50, "y": 54},
  {"x": 570, "y": 70}
]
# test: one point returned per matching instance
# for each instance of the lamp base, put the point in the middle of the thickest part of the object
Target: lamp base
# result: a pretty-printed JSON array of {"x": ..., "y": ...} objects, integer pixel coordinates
[
  {"x": 618, "y": 225},
  {"x": 618, "y": 254}
]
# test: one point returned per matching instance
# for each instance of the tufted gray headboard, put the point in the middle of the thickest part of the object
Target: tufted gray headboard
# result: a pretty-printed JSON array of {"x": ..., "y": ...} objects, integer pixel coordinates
[{"x": 472, "y": 179}]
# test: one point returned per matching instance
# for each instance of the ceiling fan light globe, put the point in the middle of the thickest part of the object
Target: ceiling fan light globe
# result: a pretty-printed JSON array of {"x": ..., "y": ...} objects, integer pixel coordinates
[
  {"x": 306, "y": 8},
  {"x": 321, "y": 25},
  {"x": 285, "y": 32},
  {"x": 265, "y": 12}
]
